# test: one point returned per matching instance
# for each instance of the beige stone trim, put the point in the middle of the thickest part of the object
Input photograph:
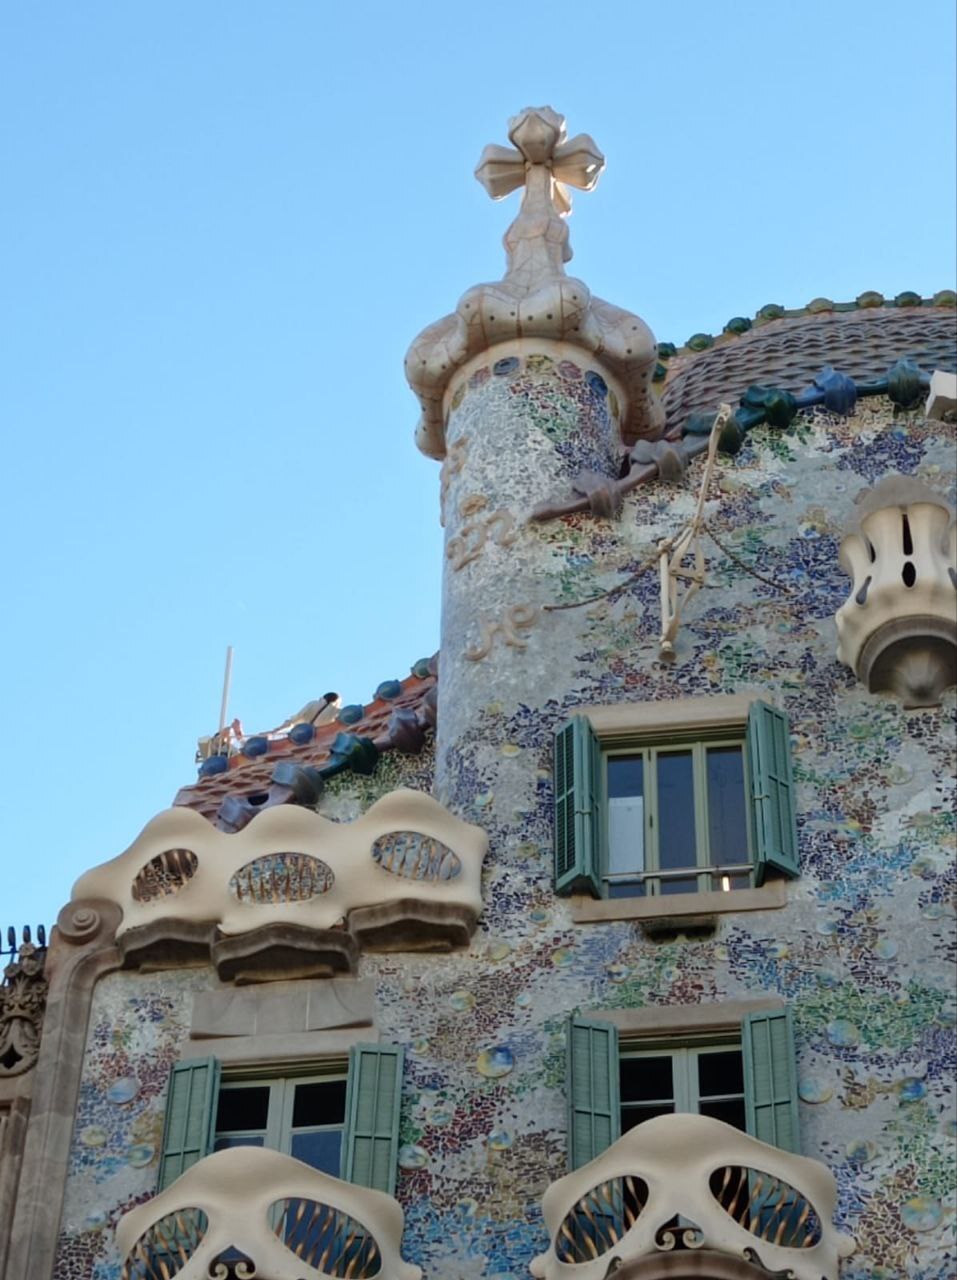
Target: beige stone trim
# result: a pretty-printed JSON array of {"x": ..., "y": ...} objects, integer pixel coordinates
[
  {"x": 283, "y": 1008},
  {"x": 691, "y": 715},
  {"x": 681, "y": 908},
  {"x": 14, "y": 1117},
  {"x": 82, "y": 950},
  {"x": 672, "y": 1020},
  {"x": 272, "y": 1051}
]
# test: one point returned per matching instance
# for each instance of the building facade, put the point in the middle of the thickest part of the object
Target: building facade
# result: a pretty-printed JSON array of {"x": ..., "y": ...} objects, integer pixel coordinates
[{"x": 617, "y": 939}]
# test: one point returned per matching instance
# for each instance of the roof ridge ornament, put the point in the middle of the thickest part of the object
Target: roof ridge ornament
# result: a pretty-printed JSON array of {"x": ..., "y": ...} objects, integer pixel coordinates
[{"x": 536, "y": 299}]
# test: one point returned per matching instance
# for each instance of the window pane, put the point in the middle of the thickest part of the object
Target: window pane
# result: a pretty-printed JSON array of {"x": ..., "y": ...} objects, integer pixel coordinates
[
  {"x": 676, "y": 831},
  {"x": 242, "y": 1108},
  {"x": 626, "y": 835},
  {"x": 625, "y": 776},
  {"x": 720, "y": 1072},
  {"x": 646, "y": 1079},
  {"x": 631, "y": 1116},
  {"x": 238, "y": 1141},
  {"x": 321, "y": 1150},
  {"x": 731, "y": 1111},
  {"x": 321, "y": 1102},
  {"x": 727, "y": 812}
]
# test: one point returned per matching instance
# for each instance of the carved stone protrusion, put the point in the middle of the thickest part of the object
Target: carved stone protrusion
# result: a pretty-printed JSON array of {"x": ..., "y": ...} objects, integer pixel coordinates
[
  {"x": 245, "y": 1203},
  {"x": 536, "y": 299},
  {"x": 687, "y": 1186},
  {"x": 295, "y": 872},
  {"x": 23, "y": 996},
  {"x": 898, "y": 627}
]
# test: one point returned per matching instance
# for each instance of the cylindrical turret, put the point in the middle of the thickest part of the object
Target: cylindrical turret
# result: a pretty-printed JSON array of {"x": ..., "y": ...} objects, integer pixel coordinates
[{"x": 529, "y": 388}]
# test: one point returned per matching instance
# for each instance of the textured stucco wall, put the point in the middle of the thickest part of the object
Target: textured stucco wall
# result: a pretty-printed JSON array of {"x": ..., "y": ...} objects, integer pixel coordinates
[{"x": 863, "y": 952}]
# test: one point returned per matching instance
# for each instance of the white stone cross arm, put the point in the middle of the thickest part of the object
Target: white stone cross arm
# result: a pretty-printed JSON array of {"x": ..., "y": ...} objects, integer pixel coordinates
[{"x": 538, "y": 138}]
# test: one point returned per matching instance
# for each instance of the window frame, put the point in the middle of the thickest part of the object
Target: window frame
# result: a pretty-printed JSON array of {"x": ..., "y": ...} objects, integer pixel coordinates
[
  {"x": 282, "y": 1083},
  {"x": 580, "y": 812},
  {"x": 650, "y": 746},
  {"x": 684, "y": 1052},
  {"x": 596, "y": 1044},
  {"x": 373, "y": 1103}
]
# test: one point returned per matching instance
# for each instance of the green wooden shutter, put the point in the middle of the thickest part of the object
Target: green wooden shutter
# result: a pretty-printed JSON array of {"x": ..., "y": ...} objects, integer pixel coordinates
[
  {"x": 594, "y": 1109},
  {"x": 190, "y": 1117},
  {"x": 373, "y": 1095},
  {"x": 577, "y": 808},
  {"x": 770, "y": 1078},
  {"x": 772, "y": 791}
]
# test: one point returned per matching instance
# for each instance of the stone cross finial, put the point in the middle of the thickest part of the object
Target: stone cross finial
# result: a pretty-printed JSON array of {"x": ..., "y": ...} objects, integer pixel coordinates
[
  {"x": 544, "y": 163},
  {"x": 536, "y": 299}
]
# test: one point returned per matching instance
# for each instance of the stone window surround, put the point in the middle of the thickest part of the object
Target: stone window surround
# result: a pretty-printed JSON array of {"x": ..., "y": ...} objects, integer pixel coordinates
[
  {"x": 282, "y": 1023},
  {"x": 656, "y": 1022},
  {"x": 627, "y": 722}
]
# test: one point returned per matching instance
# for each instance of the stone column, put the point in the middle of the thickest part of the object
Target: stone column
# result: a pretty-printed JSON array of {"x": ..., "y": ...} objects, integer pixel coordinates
[{"x": 528, "y": 389}]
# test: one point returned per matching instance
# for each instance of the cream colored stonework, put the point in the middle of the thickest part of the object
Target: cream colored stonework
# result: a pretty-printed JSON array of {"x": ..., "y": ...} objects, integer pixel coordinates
[
  {"x": 675, "y": 1155},
  {"x": 345, "y": 849},
  {"x": 236, "y": 1189},
  {"x": 536, "y": 299},
  {"x": 898, "y": 627}
]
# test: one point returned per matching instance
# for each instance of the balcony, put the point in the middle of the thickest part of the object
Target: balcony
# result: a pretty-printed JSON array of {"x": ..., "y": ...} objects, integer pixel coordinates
[
  {"x": 684, "y": 1196},
  {"x": 249, "y": 1212},
  {"x": 293, "y": 894},
  {"x": 898, "y": 627}
]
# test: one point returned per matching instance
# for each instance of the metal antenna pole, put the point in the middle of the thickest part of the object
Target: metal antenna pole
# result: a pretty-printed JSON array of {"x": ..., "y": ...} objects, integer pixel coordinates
[{"x": 227, "y": 677}]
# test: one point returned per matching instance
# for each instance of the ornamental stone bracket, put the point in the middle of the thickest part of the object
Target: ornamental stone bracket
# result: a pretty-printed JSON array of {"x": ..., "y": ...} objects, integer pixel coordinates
[
  {"x": 682, "y": 1188},
  {"x": 898, "y": 628},
  {"x": 294, "y": 894},
  {"x": 23, "y": 997},
  {"x": 536, "y": 299},
  {"x": 248, "y": 1211}
]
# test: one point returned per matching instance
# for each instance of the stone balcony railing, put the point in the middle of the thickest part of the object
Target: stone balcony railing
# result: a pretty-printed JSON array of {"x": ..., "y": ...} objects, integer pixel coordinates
[
  {"x": 685, "y": 1195},
  {"x": 293, "y": 893},
  {"x": 247, "y": 1212}
]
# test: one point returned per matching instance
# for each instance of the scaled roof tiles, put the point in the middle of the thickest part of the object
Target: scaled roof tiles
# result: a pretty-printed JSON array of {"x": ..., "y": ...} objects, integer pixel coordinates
[{"x": 414, "y": 696}]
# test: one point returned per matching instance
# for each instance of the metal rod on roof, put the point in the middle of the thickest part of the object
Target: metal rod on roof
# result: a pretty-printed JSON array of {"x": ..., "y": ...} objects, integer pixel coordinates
[{"x": 227, "y": 677}]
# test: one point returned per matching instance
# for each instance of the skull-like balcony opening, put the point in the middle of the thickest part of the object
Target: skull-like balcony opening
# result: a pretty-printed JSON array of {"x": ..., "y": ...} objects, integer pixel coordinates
[
  {"x": 248, "y": 1211},
  {"x": 688, "y": 1196}
]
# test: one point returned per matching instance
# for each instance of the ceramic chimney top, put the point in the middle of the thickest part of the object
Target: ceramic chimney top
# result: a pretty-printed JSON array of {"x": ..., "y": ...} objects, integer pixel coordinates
[{"x": 536, "y": 299}]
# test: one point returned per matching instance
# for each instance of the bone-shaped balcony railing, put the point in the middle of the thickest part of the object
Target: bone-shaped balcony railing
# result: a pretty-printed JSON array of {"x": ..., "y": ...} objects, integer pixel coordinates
[
  {"x": 248, "y": 1212},
  {"x": 292, "y": 867},
  {"x": 687, "y": 1182},
  {"x": 898, "y": 627}
]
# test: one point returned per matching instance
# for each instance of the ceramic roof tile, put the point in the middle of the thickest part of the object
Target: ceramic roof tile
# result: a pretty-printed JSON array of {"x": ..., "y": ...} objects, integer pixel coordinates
[
  {"x": 242, "y": 775},
  {"x": 788, "y": 352}
]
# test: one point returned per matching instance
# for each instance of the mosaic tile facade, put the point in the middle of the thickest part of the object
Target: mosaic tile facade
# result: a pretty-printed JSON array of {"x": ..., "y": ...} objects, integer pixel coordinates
[{"x": 863, "y": 953}]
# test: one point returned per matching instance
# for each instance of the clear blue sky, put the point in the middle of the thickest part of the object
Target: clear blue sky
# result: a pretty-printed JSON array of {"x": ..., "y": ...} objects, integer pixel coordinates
[{"x": 222, "y": 224}]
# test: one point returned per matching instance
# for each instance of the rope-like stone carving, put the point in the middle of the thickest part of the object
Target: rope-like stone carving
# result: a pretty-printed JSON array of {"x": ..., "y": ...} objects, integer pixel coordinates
[{"x": 520, "y": 618}]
